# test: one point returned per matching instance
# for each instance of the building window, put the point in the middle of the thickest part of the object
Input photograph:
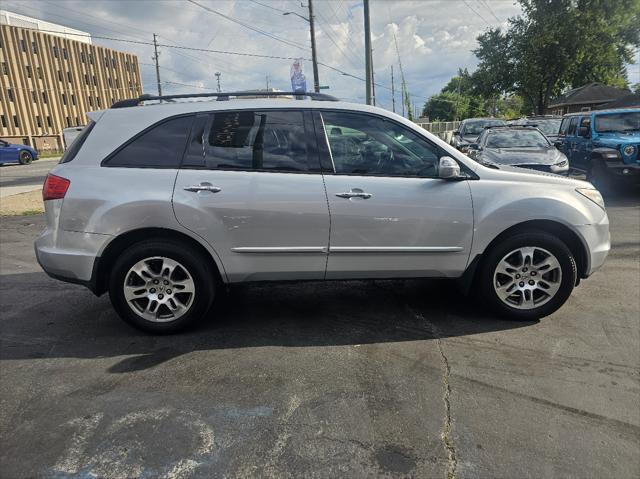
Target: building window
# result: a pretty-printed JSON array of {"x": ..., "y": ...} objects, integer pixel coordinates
[
  {"x": 90, "y": 101},
  {"x": 98, "y": 102},
  {"x": 73, "y": 99},
  {"x": 83, "y": 57},
  {"x": 90, "y": 58},
  {"x": 4, "y": 121},
  {"x": 49, "y": 123},
  {"x": 110, "y": 82},
  {"x": 5, "y": 68},
  {"x": 23, "y": 45},
  {"x": 39, "y": 72},
  {"x": 68, "y": 121},
  {"x": 34, "y": 96},
  {"x": 28, "y": 71},
  {"x": 69, "y": 77},
  {"x": 114, "y": 63},
  {"x": 95, "y": 81},
  {"x": 56, "y": 52},
  {"x": 117, "y": 83},
  {"x": 126, "y": 65},
  {"x": 39, "y": 121},
  {"x": 16, "y": 122},
  {"x": 60, "y": 78},
  {"x": 86, "y": 78},
  {"x": 64, "y": 99},
  {"x": 77, "y": 120},
  {"x": 44, "y": 97},
  {"x": 65, "y": 54},
  {"x": 10, "y": 94},
  {"x": 34, "y": 47}
]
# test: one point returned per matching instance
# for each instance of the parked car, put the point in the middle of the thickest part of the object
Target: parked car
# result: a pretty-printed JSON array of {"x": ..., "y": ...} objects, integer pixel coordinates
[
  {"x": 547, "y": 124},
  {"x": 604, "y": 144},
  {"x": 163, "y": 204},
  {"x": 16, "y": 153},
  {"x": 470, "y": 129},
  {"x": 521, "y": 146}
]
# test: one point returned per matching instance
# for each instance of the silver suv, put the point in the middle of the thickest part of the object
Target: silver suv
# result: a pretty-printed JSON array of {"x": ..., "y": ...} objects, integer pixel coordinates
[{"x": 162, "y": 204}]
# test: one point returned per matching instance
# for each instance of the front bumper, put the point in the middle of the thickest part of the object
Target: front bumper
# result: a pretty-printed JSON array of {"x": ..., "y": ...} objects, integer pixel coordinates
[
  {"x": 620, "y": 168},
  {"x": 598, "y": 243},
  {"x": 69, "y": 255}
]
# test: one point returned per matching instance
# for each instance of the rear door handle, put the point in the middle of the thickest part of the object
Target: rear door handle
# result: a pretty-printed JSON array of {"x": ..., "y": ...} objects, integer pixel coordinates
[
  {"x": 203, "y": 187},
  {"x": 354, "y": 193}
]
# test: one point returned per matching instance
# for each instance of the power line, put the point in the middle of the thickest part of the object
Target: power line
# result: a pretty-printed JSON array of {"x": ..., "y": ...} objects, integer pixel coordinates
[
  {"x": 486, "y": 4},
  {"x": 268, "y": 6},
  {"x": 245, "y": 25},
  {"x": 470, "y": 8}
]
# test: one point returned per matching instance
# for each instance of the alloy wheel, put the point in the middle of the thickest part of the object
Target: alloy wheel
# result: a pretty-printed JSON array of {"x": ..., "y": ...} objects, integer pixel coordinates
[
  {"x": 159, "y": 289},
  {"x": 527, "y": 277}
]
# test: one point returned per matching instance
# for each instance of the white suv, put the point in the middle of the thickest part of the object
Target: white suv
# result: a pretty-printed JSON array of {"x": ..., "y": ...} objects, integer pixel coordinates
[{"x": 161, "y": 204}]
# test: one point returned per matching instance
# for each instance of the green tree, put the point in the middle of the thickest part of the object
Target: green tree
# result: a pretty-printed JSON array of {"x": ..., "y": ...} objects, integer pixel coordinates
[{"x": 557, "y": 44}]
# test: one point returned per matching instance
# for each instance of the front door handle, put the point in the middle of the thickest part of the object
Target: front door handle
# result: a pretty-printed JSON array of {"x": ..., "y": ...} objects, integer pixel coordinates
[
  {"x": 354, "y": 193},
  {"x": 203, "y": 187}
]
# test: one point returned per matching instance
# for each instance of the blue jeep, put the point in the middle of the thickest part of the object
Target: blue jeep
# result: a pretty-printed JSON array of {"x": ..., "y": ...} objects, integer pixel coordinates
[
  {"x": 604, "y": 144},
  {"x": 10, "y": 153}
]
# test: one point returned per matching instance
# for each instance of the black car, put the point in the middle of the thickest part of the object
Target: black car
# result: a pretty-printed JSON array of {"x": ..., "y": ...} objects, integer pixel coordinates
[
  {"x": 547, "y": 124},
  {"x": 521, "y": 146},
  {"x": 470, "y": 129}
]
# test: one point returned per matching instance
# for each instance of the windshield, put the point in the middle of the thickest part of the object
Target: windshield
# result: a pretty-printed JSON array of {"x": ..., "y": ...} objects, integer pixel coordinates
[
  {"x": 618, "y": 122},
  {"x": 475, "y": 127},
  {"x": 517, "y": 139},
  {"x": 548, "y": 127}
]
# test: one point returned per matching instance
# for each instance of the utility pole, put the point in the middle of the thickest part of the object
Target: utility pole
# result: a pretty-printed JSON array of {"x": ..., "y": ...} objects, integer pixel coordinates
[
  {"x": 367, "y": 52},
  {"x": 314, "y": 55},
  {"x": 373, "y": 81},
  {"x": 267, "y": 78},
  {"x": 217, "y": 74},
  {"x": 393, "y": 92},
  {"x": 155, "y": 57}
]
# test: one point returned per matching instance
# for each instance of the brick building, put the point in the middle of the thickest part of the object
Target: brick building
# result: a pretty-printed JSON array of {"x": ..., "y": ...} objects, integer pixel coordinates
[{"x": 51, "y": 75}]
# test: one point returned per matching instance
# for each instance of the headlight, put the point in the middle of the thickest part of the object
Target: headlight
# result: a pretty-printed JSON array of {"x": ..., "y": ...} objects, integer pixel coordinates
[
  {"x": 562, "y": 164},
  {"x": 593, "y": 194},
  {"x": 629, "y": 149}
]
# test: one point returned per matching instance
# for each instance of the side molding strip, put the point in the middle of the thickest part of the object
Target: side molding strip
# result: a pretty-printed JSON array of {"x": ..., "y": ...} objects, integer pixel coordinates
[
  {"x": 395, "y": 249},
  {"x": 280, "y": 249}
]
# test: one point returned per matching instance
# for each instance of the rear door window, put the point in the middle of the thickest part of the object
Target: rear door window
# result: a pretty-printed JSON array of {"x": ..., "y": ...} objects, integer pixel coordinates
[
  {"x": 573, "y": 124},
  {"x": 161, "y": 146},
  {"x": 270, "y": 140},
  {"x": 564, "y": 127}
]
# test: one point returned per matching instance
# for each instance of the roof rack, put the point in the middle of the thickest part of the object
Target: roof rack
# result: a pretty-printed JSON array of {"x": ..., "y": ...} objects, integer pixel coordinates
[
  {"x": 496, "y": 127},
  {"x": 221, "y": 96}
]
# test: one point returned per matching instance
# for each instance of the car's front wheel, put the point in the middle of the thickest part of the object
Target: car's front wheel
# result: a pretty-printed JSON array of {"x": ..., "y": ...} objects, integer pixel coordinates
[
  {"x": 25, "y": 157},
  {"x": 161, "y": 286},
  {"x": 528, "y": 276}
]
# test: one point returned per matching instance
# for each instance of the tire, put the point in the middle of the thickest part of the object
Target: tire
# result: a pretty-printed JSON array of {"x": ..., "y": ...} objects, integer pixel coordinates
[
  {"x": 25, "y": 157},
  {"x": 179, "y": 298},
  {"x": 600, "y": 177},
  {"x": 551, "y": 285}
]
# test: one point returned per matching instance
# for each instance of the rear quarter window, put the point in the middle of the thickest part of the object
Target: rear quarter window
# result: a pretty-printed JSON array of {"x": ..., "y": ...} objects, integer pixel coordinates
[
  {"x": 160, "y": 146},
  {"x": 71, "y": 152}
]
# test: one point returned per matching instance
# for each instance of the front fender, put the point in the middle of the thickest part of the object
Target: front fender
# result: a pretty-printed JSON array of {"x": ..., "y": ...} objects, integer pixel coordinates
[{"x": 499, "y": 206}]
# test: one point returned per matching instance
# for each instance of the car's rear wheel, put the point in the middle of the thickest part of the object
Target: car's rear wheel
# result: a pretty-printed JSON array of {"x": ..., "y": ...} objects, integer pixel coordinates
[
  {"x": 25, "y": 157},
  {"x": 528, "y": 276},
  {"x": 161, "y": 286}
]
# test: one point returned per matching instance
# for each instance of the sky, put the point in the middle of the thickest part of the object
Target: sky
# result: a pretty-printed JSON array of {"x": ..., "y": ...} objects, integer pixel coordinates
[{"x": 434, "y": 39}]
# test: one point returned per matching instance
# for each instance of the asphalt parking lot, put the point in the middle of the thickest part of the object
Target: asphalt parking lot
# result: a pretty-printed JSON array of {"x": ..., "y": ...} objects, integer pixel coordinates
[{"x": 343, "y": 379}]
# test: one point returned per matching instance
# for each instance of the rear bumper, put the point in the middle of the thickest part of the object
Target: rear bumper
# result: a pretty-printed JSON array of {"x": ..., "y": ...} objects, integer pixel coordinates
[
  {"x": 598, "y": 242},
  {"x": 69, "y": 255}
]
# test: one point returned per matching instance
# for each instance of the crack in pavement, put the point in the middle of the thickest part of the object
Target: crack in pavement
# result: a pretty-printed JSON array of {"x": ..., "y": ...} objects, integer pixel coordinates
[{"x": 446, "y": 434}]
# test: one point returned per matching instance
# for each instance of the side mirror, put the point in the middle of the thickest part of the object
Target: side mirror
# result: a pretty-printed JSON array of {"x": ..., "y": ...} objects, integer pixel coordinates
[
  {"x": 557, "y": 144},
  {"x": 456, "y": 132},
  {"x": 473, "y": 146},
  {"x": 583, "y": 131},
  {"x": 448, "y": 168}
]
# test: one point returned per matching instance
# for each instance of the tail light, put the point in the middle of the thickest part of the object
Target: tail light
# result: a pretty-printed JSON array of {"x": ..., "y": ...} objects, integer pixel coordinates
[{"x": 55, "y": 187}]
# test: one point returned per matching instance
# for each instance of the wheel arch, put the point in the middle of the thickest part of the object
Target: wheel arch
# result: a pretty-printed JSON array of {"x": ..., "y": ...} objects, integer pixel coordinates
[
  {"x": 569, "y": 237},
  {"x": 101, "y": 267}
]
